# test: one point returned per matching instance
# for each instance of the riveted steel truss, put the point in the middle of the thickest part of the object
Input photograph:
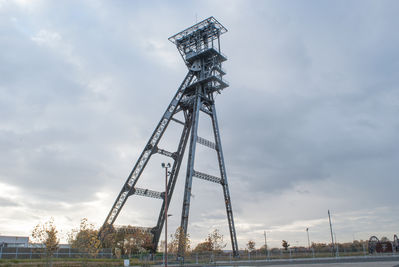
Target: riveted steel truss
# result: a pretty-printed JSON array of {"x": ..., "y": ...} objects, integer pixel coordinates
[{"x": 199, "y": 45}]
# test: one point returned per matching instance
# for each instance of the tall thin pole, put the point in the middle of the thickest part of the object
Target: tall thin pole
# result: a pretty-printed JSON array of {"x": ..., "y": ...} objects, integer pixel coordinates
[
  {"x": 264, "y": 232},
  {"x": 332, "y": 237},
  {"x": 166, "y": 216},
  {"x": 166, "y": 166},
  {"x": 307, "y": 231},
  {"x": 336, "y": 246}
]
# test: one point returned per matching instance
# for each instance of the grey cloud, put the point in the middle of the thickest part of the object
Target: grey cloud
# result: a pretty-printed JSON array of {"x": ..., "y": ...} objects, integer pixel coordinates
[
  {"x": 313, "y": 100},
  {"x": 5, "y": 202}
]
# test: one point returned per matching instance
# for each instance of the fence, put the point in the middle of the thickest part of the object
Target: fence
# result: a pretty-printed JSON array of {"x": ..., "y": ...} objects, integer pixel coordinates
[
  {"x": 37, "y": 253},
  {"x": 275, "y": 254},
  {"x": 194, "y": 258},
  {"x": 209, "y": 258}
]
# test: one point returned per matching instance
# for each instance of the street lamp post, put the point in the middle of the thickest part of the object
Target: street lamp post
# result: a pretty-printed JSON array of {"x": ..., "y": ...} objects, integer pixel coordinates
[
  {"x": 264, "y": 232},
  {"x": 332, "y": 238},
  {"x": 336, "y": 246},
  {"x": 307, "y": 231},
  {"x": 166, "y": 166}
]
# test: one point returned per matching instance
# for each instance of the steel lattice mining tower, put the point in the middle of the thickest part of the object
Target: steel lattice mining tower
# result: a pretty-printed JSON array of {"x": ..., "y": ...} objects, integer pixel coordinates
[{"x": 199, "y": 46}]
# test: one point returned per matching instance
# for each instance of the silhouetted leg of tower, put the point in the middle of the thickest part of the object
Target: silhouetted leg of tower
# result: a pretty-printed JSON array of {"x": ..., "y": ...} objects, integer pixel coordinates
[
  {"x": 209, "y": 108},
  {"x": 128, "y": 188},
  {"x": 189, "y": 175},
  {"x": 178, "y": 156},
  {"x": 224, "y": 183}
]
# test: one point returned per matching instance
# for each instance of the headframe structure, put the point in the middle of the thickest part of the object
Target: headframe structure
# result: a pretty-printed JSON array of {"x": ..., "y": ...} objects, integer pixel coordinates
[{"x": 199, "y": 46}]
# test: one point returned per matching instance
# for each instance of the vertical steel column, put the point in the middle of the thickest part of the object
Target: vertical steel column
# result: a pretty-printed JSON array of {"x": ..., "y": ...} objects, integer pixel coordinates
[
  {"x": 189, "y": 175},
  {"x": 332, "y": 238},
  {"x": 173, "y": 178},
  {"x": 264, "y": 232},
  {"x": 225, "y": 185},
  {"x": 166, "y": 215}
]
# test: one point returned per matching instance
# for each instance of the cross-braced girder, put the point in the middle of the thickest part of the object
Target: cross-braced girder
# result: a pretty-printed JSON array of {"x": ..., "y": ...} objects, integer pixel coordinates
[
  {"x": 147, "y": 152},
  {"x": 199, "y": 46}
]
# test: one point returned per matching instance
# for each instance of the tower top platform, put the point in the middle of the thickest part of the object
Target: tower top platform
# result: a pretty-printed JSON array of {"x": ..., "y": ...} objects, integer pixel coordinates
[{"x": 209, "y": 28}]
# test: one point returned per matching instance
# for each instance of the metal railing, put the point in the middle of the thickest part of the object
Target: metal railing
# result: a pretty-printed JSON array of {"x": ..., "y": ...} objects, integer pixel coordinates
[
  {"x": 201, "y": 258},
  {"x": 37, "y": 253}
]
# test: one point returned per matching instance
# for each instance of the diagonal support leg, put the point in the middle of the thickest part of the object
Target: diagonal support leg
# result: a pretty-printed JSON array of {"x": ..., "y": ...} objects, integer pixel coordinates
[
  {"x": 147, "y": 152},
  {"x": 224, "y": 183},
  {"x": 172, "y": 181},
  {"x": 189, "y": 176}
]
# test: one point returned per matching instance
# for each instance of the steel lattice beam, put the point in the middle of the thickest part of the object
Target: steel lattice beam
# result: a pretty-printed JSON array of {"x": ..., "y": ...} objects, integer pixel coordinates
[
  {"x": 147, "y": 193},
  {"x": 207, "y": 177},
  {"x": 147, "y": 152},
  {"x": 206, "y": 142}
]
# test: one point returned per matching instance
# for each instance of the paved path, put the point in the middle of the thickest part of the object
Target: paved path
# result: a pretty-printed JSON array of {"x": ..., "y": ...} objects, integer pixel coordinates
[
  {"x": 351, "y": 264},
  {"x": 371, "y": 261}
]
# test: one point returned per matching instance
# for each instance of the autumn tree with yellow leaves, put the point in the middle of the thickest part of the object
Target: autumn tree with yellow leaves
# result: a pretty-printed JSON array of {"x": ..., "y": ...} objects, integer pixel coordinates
[
  {"x": 214, "y": 242},
  {"x": 85, "y": 238},
  {"x": 46, "y": 234},
  {"x": 178, "y": 237}
]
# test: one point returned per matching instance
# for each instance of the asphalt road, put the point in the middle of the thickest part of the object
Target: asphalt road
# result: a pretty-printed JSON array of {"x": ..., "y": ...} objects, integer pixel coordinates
[
  {"x": 371, "y": 261},
  {"x": 348, "y": 264}
]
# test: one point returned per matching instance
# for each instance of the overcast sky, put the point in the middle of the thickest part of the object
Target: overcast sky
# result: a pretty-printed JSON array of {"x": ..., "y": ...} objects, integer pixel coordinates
[{"x": 309, "y": 122}]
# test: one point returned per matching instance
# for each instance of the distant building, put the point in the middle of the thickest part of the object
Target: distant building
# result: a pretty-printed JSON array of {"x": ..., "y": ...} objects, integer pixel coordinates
[
  {"x": 14, "y": 241},
  {"x": 40, "y": 245}
]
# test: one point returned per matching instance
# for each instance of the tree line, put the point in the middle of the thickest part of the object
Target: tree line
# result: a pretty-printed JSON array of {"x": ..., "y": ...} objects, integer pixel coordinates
[
  {"x": 133, "y": 240},
  {"x": 355, "y": 246},
  {"x": 122, "y": 241}
]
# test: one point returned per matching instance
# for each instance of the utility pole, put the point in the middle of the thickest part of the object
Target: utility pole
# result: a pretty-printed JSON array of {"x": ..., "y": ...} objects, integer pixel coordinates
[
  {"x": 336, "y": 246},
  {"x": 264, "y": 232},
  {"x": 332, "y": 237},
  {"x": 166, "y": 166},
  {"x": 307, "y": 231}
]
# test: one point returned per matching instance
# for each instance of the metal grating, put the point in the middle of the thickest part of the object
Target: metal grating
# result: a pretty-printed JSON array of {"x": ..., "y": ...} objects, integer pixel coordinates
[
  {"x": 148, "y": 193},
  {"x": 206, "y": 142},
  {"x": 207, "y": 177}
]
